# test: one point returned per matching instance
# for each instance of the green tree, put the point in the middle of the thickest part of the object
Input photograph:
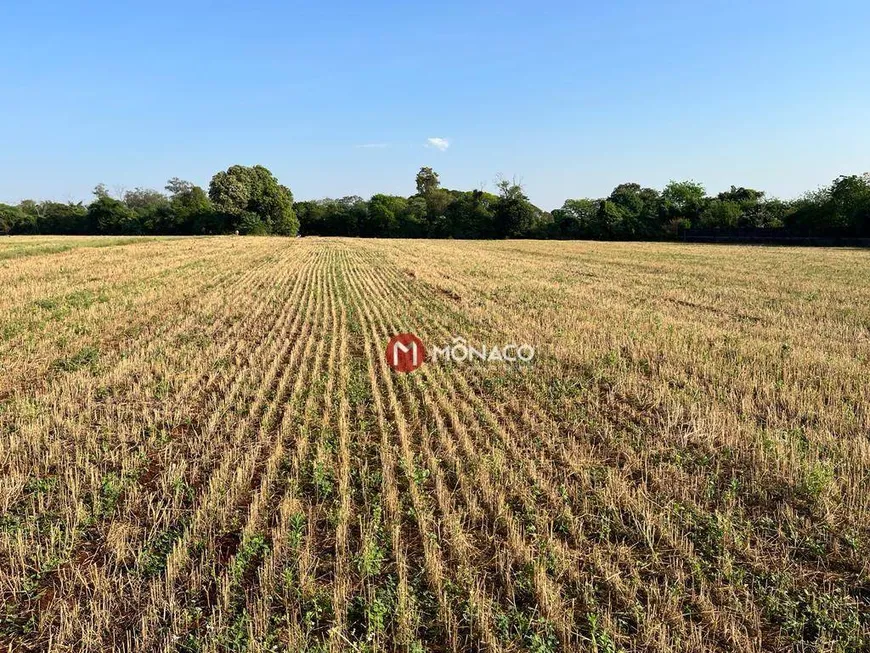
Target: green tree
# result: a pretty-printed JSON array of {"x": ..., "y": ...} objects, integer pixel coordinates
[
  {"x": 152, "y": 209},
  {"x": 609, "y": 220},
  {"x": 191, "y": 211},
  {"x": 346, "y": 215},
  {"x": 176, "y": 186},
  {"x": 64, "y": 218},
  {"x": 745, "y": 197},
  {"x": 333, "y": 217},
  {"x": 843, "y": 208},
  {"x": 312, "y": 217},
  {"x": 427, "y": 181},
  {"x": 251, "y": 224},
  {"x": 383, "y": 216},
  {"x": 513, "y": 214},
  {"x": 809, "y": 213},
  {"x": 638, "y": 210},
  {"x": 773, "y": 213},
  {"x": 284, "y": 220},
  {"x": 471, "y": 216},
  {"x": 437, "y": 203},
  {"x": 112, "y": 216},
  {"x": 11, "y": 217},
  {"x": 242, "y": 192},
  {"x": 145, "y": 200},
  {"x": 849, "y": 204},
  {"x": 101, "y": 191},
  {"x": 683, "y": 201},
  {"x": 413, "y": 223},
  {"x": 750, "y": 204},
  {"x": 576, "y": 219},
  {"x": 721, "y": 213},
  {"x": 30, "y": 213}
]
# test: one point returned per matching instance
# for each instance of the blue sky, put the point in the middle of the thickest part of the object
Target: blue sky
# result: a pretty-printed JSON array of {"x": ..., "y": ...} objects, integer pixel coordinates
[{"x": 572, "y": 98}]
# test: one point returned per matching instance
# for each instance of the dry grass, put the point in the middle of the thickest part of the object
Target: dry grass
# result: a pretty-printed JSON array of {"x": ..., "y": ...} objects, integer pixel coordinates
[{"x": 203, "y": 449}]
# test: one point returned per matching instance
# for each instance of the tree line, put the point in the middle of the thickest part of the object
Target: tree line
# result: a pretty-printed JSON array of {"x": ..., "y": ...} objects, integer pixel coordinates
[
  {"x": 250, "y": 200},
  {"x": 241, "y": 199}
]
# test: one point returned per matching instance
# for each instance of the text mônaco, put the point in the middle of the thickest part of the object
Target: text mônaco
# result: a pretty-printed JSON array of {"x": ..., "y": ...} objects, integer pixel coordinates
[{"x": 461, "y": 351}]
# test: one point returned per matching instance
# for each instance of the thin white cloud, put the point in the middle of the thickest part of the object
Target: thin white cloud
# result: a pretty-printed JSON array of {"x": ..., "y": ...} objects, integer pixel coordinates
[
  {"x": 438, "y": 143},
  {"x": 371, "y": 146}
]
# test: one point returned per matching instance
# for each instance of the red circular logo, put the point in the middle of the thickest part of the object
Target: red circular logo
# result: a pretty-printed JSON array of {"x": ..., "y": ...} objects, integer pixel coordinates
[{"x": 405, "y": 352}]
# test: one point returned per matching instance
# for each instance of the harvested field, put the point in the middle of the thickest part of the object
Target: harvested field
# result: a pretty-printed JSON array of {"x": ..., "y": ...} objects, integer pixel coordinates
[{"x": 202, "y": 447}]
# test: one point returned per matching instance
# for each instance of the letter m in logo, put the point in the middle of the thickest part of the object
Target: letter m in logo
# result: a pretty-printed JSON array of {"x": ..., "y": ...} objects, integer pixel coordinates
[{"x": 405, "y": 352}]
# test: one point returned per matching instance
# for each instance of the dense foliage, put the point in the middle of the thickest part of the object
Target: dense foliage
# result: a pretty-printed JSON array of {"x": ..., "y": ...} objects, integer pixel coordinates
[
  {"x": 249, "y": 200},
  {"x": 240, "y": 199}
]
